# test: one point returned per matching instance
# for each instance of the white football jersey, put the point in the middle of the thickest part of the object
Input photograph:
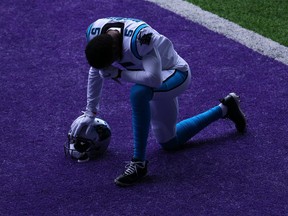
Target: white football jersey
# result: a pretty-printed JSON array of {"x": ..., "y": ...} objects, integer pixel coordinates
[{"x": 138, "y": 40}]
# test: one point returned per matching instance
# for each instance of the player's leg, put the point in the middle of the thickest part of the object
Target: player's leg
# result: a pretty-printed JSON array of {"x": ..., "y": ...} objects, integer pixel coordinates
[
  {"x": 164, "y": 114},
  {"x": 140, "y": 99},
  {"x": 186, "y": 129},
  {"x": 164, "y": 122},
  {"x": 164, "y": 111}
]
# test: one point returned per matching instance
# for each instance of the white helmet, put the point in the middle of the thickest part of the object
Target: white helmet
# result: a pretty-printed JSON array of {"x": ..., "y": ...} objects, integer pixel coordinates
[{"x": 87, "y": 146}]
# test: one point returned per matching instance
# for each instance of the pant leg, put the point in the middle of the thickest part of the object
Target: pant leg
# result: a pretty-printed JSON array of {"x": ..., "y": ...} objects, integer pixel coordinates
[
  {"x": 164, "y": 115},
  {"x": 188, "y": 128},
  {"x": 164, "y": 105}
]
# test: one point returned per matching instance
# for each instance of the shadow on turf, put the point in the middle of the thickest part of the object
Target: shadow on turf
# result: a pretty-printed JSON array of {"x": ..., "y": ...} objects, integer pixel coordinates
[
  {"x": 169, "y": 161},
  {"x": 212, "y": 141}
]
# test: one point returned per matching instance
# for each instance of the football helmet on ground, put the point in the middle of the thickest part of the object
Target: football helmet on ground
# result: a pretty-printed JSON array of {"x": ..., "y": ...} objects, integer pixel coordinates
[{"x": 89, "y": 143}]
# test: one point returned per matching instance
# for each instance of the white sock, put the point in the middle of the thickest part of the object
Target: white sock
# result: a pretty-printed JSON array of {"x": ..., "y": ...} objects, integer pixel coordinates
[{"x": 224, "y": 109}]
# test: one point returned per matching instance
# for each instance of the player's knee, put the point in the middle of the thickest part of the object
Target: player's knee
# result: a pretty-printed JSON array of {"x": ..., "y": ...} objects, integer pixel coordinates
[{"x": 140, "y": 93}]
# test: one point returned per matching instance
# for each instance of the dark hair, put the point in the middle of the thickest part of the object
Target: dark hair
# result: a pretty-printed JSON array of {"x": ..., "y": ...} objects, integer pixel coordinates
[{"x": 99, "y": 51}]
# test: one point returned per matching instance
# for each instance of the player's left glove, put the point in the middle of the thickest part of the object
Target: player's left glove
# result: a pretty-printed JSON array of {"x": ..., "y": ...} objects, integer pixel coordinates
[{"x": 86, "y": 119}]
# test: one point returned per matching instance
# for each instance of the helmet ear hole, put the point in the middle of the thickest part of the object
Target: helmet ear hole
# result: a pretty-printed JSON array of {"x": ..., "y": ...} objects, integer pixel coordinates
[{"x": 103, "y": 131}]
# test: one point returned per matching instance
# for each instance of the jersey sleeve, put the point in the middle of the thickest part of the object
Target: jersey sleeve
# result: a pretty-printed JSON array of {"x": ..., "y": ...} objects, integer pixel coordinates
[
  {"x": 151, "y": 75},
  {"x": 94, "y": 90},
  {"x": 146, "y": 41}
]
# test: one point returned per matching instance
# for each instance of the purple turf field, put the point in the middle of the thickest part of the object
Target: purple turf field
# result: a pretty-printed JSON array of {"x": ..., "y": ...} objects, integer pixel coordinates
[{"x": 43, "y": 89}]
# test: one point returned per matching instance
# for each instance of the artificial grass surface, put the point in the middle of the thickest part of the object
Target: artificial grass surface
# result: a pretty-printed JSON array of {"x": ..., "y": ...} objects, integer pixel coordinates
[{"x": 266, "y": 17}]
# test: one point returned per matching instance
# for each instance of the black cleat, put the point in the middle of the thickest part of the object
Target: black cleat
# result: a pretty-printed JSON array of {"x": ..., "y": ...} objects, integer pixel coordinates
[
  {"x": 134, "y": 172},
  {"x": 234, "y": 112}
]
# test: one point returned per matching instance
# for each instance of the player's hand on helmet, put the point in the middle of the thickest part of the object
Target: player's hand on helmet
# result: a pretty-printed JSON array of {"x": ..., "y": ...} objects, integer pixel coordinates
[
  {"x": 85, "y": 120},
  {"x": 109, "y": 72}
]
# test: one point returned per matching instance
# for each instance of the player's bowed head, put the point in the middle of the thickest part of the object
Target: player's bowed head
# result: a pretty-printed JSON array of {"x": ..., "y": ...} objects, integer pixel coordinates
[{"x": 104, "y": 49}]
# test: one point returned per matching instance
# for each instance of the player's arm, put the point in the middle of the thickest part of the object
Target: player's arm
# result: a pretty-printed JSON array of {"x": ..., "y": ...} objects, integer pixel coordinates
[
  {"x": 151, "y": 75},
  {"x": 94, "y": 90}
]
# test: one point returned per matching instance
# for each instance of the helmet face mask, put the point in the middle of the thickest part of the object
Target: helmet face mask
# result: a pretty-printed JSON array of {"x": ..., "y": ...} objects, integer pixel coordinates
[{"x": 88, "y": 145}]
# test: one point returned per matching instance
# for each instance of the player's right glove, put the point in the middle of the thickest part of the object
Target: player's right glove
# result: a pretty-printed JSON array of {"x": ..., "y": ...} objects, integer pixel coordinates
[
  {"x": 86, "y": 119},
  {"x": 110, "y": 72}
]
